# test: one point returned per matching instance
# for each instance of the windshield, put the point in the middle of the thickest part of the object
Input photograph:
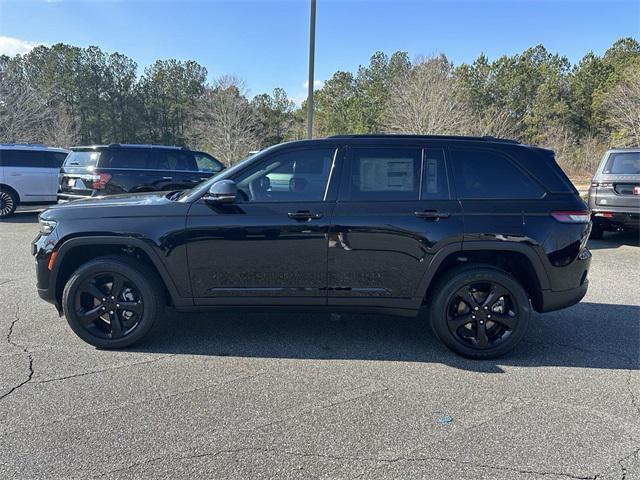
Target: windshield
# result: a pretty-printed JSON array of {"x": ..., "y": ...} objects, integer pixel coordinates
[
  {"x": 202, "y": 188},
  {"x": 82, "y": 159},
  {"x": 626, "y": 163}
]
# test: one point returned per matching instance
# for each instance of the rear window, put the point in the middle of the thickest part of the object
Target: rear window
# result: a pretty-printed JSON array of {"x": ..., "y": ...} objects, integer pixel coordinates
[
  {"x": 485, "y": 174},
  {"x": 82, "y": 159},
  {"x": 626, "y": 163}
]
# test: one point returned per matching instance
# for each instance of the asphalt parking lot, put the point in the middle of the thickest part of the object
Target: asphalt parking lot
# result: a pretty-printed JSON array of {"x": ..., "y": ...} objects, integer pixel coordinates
[{"x": 319, "y": 396}]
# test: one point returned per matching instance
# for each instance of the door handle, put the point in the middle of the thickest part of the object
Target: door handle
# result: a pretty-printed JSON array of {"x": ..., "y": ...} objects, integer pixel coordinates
[
  {"x": 167, "y": 178},
  {"x": 304, "y": 215},
  {"x": 432, "y": 215}
]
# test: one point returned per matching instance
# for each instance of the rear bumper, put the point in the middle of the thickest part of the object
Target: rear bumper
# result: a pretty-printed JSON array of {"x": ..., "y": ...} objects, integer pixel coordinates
[
  {"x": 615, "y": 219},
  {"x": 67, "y": 197},
  {"x": 556, "y": 300}
]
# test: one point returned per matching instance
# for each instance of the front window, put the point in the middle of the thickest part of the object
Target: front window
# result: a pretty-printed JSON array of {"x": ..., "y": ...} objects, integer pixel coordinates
[{"x": 295, "y": 176}]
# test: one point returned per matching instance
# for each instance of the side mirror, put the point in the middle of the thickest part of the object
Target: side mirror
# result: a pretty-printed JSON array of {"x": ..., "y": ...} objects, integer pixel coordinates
[{"x": 224, "y": 191}]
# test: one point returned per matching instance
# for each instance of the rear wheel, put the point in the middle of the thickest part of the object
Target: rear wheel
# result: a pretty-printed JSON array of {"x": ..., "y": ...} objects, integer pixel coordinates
[
  {"x": 112, "y": 302},
  {"x": 480, "y": 312},
  {"x": 8, "y": 202}
]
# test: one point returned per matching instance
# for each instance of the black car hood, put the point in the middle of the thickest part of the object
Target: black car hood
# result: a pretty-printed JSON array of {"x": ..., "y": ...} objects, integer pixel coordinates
[{"x": 146, "y": 204}]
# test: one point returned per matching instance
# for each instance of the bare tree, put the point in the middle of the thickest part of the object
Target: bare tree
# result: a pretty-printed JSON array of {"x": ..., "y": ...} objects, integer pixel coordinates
[
  {"x": 622, "y": 107},
  {"x": 426, "y": 100},
  {"x": 224, "y": 122},
  {"x": 24, "y": 112},
  {"x": 494, "y": 121}
]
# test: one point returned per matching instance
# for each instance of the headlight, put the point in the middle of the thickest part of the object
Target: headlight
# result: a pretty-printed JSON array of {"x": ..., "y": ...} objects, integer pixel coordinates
[{"x": 47, "y": 226}]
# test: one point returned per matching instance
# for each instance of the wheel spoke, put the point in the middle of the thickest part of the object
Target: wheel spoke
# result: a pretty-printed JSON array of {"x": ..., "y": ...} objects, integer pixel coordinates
[
  {"x": 457, "y": 322},
  {"x": 116, "y": 286},
  {"x": 134, "y": 307},
  {"x": 465, "y": 295},
  {"x": 94, "y": 291},
  {"x": 90, "y": 316},
  {"x": 504, "y": 319},
  {"x": 116, "y": 325},
  {"x": 481, "y": 335},
  {"x": 496, "y": 292}
]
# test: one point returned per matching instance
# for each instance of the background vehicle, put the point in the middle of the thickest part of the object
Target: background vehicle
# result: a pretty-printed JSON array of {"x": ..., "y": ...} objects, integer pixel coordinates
[
  {"x": 116, "y": 168},
  {"x": 474, "y": 231},
  {"x": 614, "y": 195},
  {"x": 28, "y": 175}
]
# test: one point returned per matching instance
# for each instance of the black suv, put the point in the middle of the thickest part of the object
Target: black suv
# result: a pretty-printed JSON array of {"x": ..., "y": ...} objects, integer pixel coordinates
[
  {"x": 475, "y": 231},
  {"x": 120, "y": 168}
]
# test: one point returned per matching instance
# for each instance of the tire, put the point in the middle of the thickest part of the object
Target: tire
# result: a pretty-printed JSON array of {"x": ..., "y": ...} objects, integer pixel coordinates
[
  {"x": 137, "y": 286},
  {"x": 479, "y": 332},
  {"x": 8, "y": 202},
  {"x": 597, "y": 232}
]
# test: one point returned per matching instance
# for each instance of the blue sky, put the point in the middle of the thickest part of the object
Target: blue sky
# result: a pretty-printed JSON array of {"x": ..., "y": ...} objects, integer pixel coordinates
[{"x": 266, "y": 42}]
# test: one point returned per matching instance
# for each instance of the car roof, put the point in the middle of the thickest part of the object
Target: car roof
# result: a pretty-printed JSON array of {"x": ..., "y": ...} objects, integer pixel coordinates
[
  {"x": 623, "y": 149},
  {"x": 128, "y": 145},
  {"x": 486, "y": 138},
  {"x": 31, "y": 147}
]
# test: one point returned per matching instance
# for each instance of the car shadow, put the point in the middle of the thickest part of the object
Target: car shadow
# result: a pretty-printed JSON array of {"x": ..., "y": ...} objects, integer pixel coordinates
[
  {"x": 588, "y": 335},
  {"x": 616, "y": 240},
  {"x": 22, "y": 217}
]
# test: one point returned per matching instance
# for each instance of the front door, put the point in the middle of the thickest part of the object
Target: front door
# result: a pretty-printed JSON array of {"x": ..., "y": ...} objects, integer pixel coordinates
[
  {"x": 394, "y": 211},
  {"x": 270, "y": 246}
]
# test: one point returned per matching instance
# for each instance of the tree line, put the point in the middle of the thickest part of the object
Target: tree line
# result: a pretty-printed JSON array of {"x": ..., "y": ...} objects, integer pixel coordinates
[{"x": 65, "y": 95}]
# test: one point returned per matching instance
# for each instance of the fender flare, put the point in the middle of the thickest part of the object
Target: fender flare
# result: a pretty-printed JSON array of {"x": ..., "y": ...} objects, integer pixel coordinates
[
  {"x": 68, "y": 245},
  {"x": 466, "y": 246}
]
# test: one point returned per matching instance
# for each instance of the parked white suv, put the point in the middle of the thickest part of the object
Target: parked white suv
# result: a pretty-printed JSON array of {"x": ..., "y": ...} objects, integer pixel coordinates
[{"x": 28, "y": 175}]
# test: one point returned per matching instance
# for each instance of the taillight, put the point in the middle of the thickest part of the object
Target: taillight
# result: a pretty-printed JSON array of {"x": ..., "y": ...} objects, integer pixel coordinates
[
  {"x": 100, "y": 180},
  {"x": 581, "y": 216}
]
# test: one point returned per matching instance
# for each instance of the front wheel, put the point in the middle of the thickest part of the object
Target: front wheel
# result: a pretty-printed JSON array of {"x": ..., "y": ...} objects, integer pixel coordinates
[
  {"x": 112, "y": 302},
  {"x": 479, "y": 312}
]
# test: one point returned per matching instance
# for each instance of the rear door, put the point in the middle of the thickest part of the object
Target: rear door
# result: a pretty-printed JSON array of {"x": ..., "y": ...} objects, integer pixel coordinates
[
  {"x": 394, "y": 212},
  {"x": 33, "y": 173}
]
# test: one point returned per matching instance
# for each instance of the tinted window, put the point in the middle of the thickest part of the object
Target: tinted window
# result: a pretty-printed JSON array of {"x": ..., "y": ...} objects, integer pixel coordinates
[
  {"x": 207, "y": 163},
  {"x": 127, "y": 158},
  {"x": 175, "y": 160},
  {"x": 488, "y": 174},
  {"x": 627, "y": 163},
  {"x": 87, "y": 158},
  {"x": 434, "y": 175},
  {"x": 31, "y": 158},
  {"x": 299, "y": 175},
  {"x": 383, "y": 174}
]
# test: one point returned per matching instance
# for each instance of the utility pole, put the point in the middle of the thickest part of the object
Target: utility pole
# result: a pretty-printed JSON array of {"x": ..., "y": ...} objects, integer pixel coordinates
[{"x": 312, "y": 46}]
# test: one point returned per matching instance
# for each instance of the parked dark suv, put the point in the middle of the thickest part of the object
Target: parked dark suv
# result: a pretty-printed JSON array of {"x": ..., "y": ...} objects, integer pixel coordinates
[
  {"x": 614, "y": 195},
  {"x": 116, "y": 168},
  {"x": 477, "y": 232}
]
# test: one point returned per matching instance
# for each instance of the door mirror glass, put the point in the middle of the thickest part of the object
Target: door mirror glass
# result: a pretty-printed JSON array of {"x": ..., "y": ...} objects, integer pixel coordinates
[{"x": 224, "y": 191}]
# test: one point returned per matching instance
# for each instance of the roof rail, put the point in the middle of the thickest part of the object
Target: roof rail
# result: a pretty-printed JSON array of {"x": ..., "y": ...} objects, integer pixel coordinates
[
  {"x": 486, "y": 138},
  {"x": 145, "y": 145},
  {"x": 40, "y": 145}
]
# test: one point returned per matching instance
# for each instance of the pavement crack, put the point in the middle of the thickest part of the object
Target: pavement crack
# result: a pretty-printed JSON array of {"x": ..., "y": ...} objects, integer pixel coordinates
[
  {"x": 93, "y": 372},
  {"x": 24, "y": 349},
  {"x": 622, "y": 461}
]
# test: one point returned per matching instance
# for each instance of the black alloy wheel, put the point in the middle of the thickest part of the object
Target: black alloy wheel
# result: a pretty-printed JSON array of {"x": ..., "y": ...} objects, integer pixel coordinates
[
  {"x": 108, "y": 305},
  {"x": 482, "y": 315},
  {"x": 112, "y": 301},
  {"x": 479, "y": 311}
]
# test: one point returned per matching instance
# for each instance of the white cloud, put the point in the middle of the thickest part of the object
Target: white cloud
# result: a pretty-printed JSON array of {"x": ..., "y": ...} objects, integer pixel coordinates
[
  {"x": 316, "y": 84},
  {"x": 14, "y": 46}
]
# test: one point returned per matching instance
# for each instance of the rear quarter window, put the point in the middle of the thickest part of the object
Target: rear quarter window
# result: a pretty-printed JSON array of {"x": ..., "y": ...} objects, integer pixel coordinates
[{"x": 488, "y": 174}]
